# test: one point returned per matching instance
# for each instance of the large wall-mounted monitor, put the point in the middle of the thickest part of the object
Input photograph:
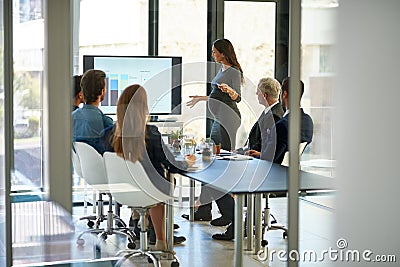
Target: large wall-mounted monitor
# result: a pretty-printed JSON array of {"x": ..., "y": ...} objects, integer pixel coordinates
[{"x": 160, "y": 76}]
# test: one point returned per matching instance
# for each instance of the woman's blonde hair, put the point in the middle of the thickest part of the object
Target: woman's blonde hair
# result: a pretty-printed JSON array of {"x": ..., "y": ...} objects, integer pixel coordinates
[{"x": 130, "y": 131}]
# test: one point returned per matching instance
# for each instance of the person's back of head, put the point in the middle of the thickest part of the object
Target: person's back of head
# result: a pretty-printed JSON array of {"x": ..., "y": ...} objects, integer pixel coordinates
[
  {"x": 132, "y": 111},
  {"x": 76, "y": 83},
  {"x": 77, "y": 93},
  {"x": 286, "y": 83},
  {"x": 270, "y": 86},
  {"x": 92, "y": 84}
]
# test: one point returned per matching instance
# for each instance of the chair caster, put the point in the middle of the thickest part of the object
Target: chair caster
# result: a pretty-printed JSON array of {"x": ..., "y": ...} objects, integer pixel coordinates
[
  {"x": 103, "y": 236},
  {"x": 175, "y": 264},
  {"x": 80, "y": 242},
  {"x": 131, "y": 245},
  {"x": 90, "y": 224},
  {"x": 149, "y": 260},
  {"x": 285, "y": 235},
  {"x": 264, "y": 243}
]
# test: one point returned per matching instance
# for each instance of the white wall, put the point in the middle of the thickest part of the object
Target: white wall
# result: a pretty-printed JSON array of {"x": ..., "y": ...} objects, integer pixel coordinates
[{"x": 368, "y": 128}]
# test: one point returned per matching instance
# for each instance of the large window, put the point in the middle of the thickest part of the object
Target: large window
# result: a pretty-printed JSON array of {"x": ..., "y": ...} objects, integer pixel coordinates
[
  {"x": 28, "y": 83},
  {"x": 183, "y": 32},
  {"x": 254, "y": 40},
  {"x": 317, "y": 73},
  {"x": 113, "y": 28}
]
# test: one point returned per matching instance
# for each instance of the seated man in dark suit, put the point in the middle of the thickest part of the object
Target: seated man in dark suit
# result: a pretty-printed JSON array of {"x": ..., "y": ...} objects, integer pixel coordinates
[
  {"x": 268, "y": 91},
  {"x": 281, "y": 129},
  {"x": 275, "y": 141}
]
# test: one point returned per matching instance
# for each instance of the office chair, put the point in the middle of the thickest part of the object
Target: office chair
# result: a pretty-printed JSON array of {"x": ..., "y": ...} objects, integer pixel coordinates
[
  {"x": 78, "y": 170},
  {"x": 273, "y": 225},
  {"x": 140, "y": 194},
  {"x": 93, "y": 171}
]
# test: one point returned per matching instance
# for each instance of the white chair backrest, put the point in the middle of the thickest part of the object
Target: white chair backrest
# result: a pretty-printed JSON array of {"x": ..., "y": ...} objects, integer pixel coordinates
[
  {"x": 92, "y": 164},
  {"x": 76, "y": 164},
  {"x": 120, "y": 171},
  {"x": 285, "y": 161}
]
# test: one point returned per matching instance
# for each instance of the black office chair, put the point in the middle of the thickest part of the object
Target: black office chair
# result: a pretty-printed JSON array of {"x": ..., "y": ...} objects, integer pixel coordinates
[{"x": 273, "y": 224}]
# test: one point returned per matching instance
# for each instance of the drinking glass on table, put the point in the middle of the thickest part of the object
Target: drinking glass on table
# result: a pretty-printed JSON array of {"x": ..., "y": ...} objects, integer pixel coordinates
[{"x": 189, "y": 145}]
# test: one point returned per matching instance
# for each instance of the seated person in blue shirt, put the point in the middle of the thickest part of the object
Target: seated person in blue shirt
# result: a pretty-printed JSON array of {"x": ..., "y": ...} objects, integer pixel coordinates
[
  {"x": 275, "y": 143},
  {"x": 90, "y": 125}
]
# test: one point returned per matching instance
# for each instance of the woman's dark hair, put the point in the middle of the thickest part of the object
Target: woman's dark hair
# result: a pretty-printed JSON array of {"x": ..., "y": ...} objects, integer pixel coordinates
[
  {"x": 225, "y": 47},
  {"x": 92, "y": 83}
]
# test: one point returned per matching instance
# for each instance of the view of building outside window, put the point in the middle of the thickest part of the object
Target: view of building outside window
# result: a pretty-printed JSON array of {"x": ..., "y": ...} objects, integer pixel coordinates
[
  {"x": 317, "y": 73},
  {"x": 28, "y": 42}
]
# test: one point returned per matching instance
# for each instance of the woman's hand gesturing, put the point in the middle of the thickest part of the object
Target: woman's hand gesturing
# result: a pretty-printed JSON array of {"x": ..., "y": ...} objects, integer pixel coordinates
[{"x": 195, "y": 99}]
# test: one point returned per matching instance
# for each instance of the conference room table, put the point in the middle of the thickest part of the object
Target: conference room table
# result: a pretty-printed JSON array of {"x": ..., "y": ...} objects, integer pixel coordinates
[{"x": 241, "y": 176}]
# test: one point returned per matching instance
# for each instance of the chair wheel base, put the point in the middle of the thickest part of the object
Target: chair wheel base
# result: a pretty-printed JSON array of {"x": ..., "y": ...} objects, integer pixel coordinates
[
  {"x": 131, "y": 245},
  {"x": 90, "y": 224},
  {"x": 264, "y": 243}
]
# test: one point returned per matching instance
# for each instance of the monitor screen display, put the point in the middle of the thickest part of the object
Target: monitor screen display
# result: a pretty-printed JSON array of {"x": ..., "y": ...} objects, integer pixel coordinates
[{"x": 160, "y": 76}]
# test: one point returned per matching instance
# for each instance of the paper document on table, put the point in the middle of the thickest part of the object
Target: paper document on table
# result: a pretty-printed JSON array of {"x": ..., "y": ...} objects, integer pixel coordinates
[{"x": 237, "y": 157}]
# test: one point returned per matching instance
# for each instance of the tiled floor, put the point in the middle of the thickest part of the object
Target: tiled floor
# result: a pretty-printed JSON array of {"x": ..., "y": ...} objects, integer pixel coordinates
[{"x": 200, "y": 249}]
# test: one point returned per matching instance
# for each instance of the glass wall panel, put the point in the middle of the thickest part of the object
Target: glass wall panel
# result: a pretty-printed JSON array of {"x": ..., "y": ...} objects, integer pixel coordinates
[
  {"x": 183, "y": 32},
  {"x": 28, "y": 83},
  {"x": 253, "y": 37},
  {"x": 317, "y": 73}
]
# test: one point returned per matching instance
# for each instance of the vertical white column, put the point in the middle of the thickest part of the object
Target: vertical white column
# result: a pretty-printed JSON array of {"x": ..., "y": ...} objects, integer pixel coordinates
[
  {"x": 57, "y": 102},
  {"x": 294, "y": 126},
  {"x": 367, "y": 128}
]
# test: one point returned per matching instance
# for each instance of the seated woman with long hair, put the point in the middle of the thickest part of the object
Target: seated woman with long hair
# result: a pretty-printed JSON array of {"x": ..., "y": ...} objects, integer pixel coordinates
[{"x": 135, "y": 140}]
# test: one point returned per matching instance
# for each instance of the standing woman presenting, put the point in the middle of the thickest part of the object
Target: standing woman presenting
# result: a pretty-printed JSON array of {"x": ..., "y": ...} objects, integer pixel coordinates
[
  {"x": 222, "y": 103},
  {"x": 224, "y": 96}
]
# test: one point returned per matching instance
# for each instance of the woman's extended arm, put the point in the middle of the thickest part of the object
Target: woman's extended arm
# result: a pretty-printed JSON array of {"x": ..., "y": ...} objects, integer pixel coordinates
[{"x": 195, "y": 99}]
